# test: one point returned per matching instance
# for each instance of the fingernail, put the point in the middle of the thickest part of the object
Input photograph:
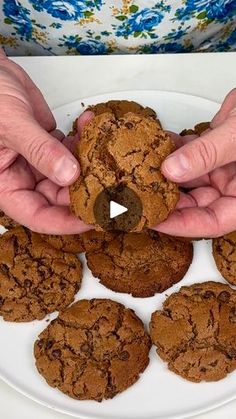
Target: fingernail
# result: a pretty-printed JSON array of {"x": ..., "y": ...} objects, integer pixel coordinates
[
  {"x": 176, "y": 166},
  {"x": 65, "y": 170}
]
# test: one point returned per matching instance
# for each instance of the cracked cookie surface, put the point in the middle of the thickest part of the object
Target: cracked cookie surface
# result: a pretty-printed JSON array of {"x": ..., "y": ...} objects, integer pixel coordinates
[
  {"x": 141, "y": 264},
  {"x": 78, "y": 243},
  {"x": 118, "y": 108},
  {"x": 7, "y": 222},
  {"x": 195, "y": 332},
  {"x": 35, "y": 278},
  {"x": 95, "y": 349},
  {"x": 129, "y": 152},
  {"x": 224, "y": 253}
]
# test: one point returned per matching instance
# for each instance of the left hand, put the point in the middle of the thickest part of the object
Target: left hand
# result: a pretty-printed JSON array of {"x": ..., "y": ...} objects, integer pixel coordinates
[{"x": 207, "y": 166}]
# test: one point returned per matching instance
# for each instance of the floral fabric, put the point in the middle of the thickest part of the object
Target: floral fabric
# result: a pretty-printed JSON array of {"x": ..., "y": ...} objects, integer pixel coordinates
[{"x": 93, "y": 27}]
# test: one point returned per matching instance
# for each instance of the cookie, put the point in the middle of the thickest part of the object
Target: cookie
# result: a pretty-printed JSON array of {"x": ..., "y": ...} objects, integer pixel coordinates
[
  {"x": 224, "y": 253},
  {"x": 124, "y": 153},
  {"x": 94, "y": 350},
  {"x": 118, "y": 108},
  {"x": 35, "y": 278},
  {"x": 7, "y": 222},
  {"x": 197, "y": 130},
  {"x": 195, "y": 332},
  {"x": 78, "y": 243},
  {"x": 141, "y": 264}
]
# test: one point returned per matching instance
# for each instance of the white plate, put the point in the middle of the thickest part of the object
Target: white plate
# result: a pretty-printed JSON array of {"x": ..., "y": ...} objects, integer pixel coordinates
[{"x": 159, "y": 393}]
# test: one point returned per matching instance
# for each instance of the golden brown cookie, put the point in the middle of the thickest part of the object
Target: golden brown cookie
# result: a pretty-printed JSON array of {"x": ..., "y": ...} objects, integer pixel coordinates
[
  {"x": 195, "y": 332},
  {"x": 94, "y": 350},
  {"x": 35, "y": 278},
  {"x": 7, "y": 222},
  {"x": 125, "y": 152},
  {"x": 199, "y": 129},
  {"x": 118, "y": 108},
  {"x": 224, "y": 252},
  {"x": 78, "y": 243},
  {"x": 141, "y": 264}
]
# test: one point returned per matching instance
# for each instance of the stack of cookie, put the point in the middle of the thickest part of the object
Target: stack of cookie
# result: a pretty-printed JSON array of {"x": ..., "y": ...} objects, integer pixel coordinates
[{"x": 86, "y": 349}]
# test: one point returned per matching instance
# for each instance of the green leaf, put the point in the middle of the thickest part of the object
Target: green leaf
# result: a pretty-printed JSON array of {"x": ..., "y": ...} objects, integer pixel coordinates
[
  {"x": 88, "y": 13},
  {"x": 98, "y": 37},
  {"x": 8, "y": 21},
  {"x": 133, "y": 8},
  {"x": 121, "y": 17},
  {"x": 136, "y": 34},
  {"x": 202, "y": 15}
]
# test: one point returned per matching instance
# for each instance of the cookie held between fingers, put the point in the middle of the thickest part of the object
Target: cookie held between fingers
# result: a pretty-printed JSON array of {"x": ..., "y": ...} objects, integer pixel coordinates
[
  {"x": 127, "y": 153},
  {"x": 141, "y": 264},
  {"x": 199, "y": 129},
  {"x": 224, "y": 253},
  {"x": 195, "y": 332},
  {"x": 94, "y": 350},
  {"x": 35, "y": 278},
  {"x": 118, "y": 108},
  {"x": 78, "y": 243}
]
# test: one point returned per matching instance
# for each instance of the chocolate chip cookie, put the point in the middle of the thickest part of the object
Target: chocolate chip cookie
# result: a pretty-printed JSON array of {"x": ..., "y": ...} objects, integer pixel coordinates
[
  {"x": 197, "y": 130},
  {"x": 141, "y": 264},
  {"x": 224, "y": 253},
  {"x": 94, "y": 350},
  {"x": 35, "y": 278},
  {"x": 78, "y": 243},
  {"x": 118, "y": 108},
  {"x": 124, "y": 153},
  {"x": 195, "y": 332},
  {"x": 7, "y": 222}
]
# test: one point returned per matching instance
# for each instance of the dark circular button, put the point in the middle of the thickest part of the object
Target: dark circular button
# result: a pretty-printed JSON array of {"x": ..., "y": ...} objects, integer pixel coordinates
[{"x": 124, "y": 196}]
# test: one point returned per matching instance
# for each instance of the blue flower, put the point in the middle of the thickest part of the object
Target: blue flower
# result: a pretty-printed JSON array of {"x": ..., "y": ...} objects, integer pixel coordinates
[
  {"x": 61, "y": 9},
  {"x": 143, "y": 21},
  {"x": 85, "y": 47},
  {"x": 210, "y": 9},
  {"x": 171, "y": 47},
  {"x": 19, "y": 16}
]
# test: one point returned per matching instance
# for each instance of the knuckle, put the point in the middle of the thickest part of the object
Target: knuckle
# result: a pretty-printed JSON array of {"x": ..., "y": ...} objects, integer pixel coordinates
[
  {"x": 38, "y": 151},
  {"x": 207, "y": 154}
]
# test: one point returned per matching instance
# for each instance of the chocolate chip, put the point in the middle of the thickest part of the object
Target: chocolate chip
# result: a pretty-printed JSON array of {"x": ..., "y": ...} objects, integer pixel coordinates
[
  {"x": 155, "y": 186},
  {"x": 203, "y": 369},
  {"x": 232, "y": 353},
  {"x": 1, "y": 301},
  {"x": 56, "y": 353},
  {"x": 40, "y": 343},
  {"x": 85, "y": 348},
  {"x": 124, "y": 355},
  {"x": 27, "y": 283},
  {"x": 128, "y": 125},
  {"x": 49, "y": 344},
  {"x": 224, "y": 297},
  {"x": 209, "y": 294},
  {"x": 232, "y": 315},
  {"x": 153, "y": 169}
]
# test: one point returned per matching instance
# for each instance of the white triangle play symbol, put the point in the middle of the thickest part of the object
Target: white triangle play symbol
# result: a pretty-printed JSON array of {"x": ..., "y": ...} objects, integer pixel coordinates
[{"x": 116, "y": 209}]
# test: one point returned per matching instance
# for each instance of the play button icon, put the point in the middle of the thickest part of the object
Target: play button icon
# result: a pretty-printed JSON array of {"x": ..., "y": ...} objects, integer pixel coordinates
[{"x": 118, "y": 208}]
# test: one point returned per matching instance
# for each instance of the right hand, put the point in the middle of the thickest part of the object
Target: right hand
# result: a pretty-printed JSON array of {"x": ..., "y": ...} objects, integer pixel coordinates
[{"x": 35, "y": 167}]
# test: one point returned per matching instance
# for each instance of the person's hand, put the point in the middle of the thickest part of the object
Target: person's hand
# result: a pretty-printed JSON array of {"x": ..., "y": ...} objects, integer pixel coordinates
[
  {"x": 207, "y": 166},
  {"x": 35, "y": 167}
]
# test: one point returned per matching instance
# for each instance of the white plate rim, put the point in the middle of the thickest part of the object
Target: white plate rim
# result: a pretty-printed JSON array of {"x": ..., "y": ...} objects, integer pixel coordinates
[{"x": 39, "y": 400}]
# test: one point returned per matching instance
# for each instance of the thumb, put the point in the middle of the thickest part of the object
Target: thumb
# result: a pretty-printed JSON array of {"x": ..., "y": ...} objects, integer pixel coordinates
[
  {"x": 199, "y": 157},
  {"x": 42, "y": 150}
]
